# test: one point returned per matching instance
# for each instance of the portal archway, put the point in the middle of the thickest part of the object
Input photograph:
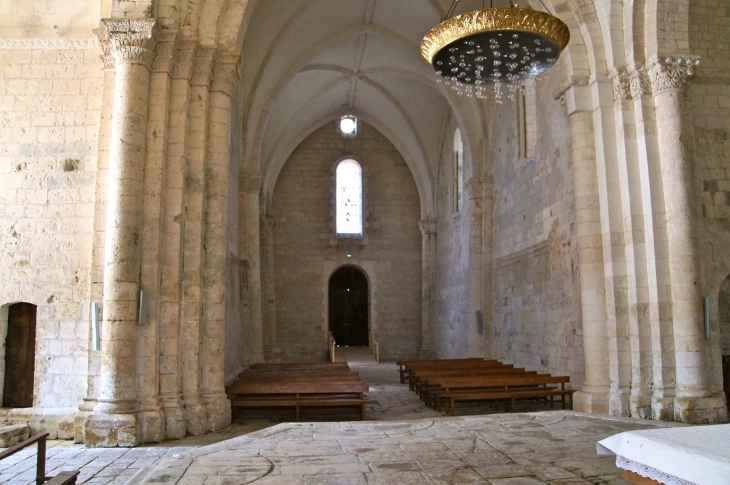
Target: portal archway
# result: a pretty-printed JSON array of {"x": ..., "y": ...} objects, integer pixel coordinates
[
  {"x": 19, "y": 356},
  {"x": 349, "y": 306}
]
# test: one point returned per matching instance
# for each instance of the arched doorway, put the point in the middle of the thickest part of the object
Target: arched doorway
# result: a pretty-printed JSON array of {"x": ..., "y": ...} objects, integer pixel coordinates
[
  {"x": 348, "y": 307},
  {"x": 20, "y": 356}
]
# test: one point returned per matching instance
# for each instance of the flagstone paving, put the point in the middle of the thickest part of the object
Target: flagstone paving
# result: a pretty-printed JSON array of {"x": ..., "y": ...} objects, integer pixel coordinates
[
  {"x": 403, "y": 443},
  {"x": 557, "y": 448}
]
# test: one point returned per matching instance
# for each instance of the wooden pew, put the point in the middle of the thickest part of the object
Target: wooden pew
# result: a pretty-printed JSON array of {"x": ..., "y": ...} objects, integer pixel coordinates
[
  {"x": 302, "y": 366},
  {"x": 428, "y": 386},
  {"x": 300, "y": 394},
  {"x": 406, "y": 367},
  {"x": 415, "y": 378},
  {"x": 511, "y": 388}
]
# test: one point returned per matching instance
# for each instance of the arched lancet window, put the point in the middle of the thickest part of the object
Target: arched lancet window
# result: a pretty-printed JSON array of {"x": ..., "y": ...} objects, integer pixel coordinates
[
  {"x": 349, "y": 198},
  {"x": 458, "y": 170},
  {"x": 527, "y": 116}
]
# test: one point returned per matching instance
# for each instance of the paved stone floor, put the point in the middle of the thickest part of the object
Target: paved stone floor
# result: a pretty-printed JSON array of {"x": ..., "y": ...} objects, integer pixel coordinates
[{"x": 402, "y": 443}]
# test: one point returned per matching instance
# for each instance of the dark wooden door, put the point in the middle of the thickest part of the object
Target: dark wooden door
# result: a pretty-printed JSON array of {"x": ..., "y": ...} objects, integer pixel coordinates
[
  {"x": 19, "y": 356},
  {"x": 348, "y": 306}
]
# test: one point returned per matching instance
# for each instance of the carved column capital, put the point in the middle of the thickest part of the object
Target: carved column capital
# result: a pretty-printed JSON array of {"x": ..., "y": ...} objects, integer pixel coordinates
[
  {"x": 202, "y": 67},
  {"x": 621, "y": 85},
  {"x": 670, "y": 73},
  {"x": 428, "y": 227},
  {"x": 640, "y": 82},
  {"x": 166, "y": 52},
  {"x": 182, "y": 63},
  {"x": 128, "y": 40},
  {"x": 226, "y": 73}
]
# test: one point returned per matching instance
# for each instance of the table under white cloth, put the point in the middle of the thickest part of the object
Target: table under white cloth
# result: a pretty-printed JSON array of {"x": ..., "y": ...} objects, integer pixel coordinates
[{"x": 692, "y": 455}]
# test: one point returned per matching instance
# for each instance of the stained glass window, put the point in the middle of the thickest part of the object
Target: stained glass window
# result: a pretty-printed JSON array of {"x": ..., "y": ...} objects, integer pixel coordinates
[{"x": 349, "y": 198}]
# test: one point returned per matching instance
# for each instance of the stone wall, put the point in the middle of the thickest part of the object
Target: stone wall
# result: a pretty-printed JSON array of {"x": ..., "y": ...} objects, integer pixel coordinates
[
  {"x": 536, "y": 307},
  {"x": 306, "y": 250},
  {"x": 50, "y": 102},
  {"x": 708, "y": 102},
  {"x": 35, "y": 18},
  {"x": 452, "y": 256}
]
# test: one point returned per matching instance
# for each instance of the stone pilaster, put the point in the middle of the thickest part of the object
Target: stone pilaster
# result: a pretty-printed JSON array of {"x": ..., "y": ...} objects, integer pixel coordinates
[
  {"x": 97, "y": 287},
  {"x": 693, "y": 400},
  {"x": 593, "y": 394},
  {"x": 428, "y": 286},
  {"x": 252, "y": 193},
  {"x": 225, "y": 76},
  {"x": 267, "y": 238},
  {"x": 115, "y": 420},
  {"x": 655, "y": 245},
  {"x": 475, "y": 342},
  {"x": 172, "y": 229},
  {"x": 193, "y": 261},
  {"x": 153, "y": 244}
]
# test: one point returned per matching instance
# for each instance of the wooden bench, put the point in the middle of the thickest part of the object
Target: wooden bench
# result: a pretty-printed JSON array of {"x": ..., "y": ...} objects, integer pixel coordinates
[
  {"x": 301, "y": 367},
  {"x": 405, "y": 366},
  {"x": 429, "y": 386},
  {"x": 511, "y": 388},
  {"x": 415, "y": 379},
  {"x": 300, "y": 394}
]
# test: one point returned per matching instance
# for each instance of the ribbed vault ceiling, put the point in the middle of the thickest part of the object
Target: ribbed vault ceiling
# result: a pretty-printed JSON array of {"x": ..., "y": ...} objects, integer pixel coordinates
[{"x": 307, "y": 62}]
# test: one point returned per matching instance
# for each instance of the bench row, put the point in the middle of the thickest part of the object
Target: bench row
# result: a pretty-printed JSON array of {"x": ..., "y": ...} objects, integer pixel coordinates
[
  {"x": 299, "y": 386},
  {"x": 444, "y": 383}
]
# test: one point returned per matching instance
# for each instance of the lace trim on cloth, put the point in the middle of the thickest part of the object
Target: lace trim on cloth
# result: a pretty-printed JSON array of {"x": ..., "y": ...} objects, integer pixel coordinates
[{"x": 649, "y": 472}]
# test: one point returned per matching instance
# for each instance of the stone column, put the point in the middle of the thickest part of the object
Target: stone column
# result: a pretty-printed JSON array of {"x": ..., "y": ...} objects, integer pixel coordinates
[
  {"x": 172, "y": 229},
  {"x": 97, "y": 272},
  {"x": 217, "y": 404},
  {"x": 195, "y": 412},
  {"x": 655, "y": 246},
  {"x": 693, "y": 402},
  {"x": 153, "y": 243},
  {"x": 634, "y": 192},
  {"x": 593, "y": 394},
  {"x": 115, "y": 421},
  {"x": 428, "y": 286}
]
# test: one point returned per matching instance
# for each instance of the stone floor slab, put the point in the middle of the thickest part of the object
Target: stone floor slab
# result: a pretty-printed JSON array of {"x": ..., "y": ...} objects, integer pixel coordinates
[{"x": 403, "y": 442}]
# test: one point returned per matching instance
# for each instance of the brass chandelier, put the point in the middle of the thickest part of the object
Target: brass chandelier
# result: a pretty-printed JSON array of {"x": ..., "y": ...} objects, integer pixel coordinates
[{"x": 494, "y": 45}]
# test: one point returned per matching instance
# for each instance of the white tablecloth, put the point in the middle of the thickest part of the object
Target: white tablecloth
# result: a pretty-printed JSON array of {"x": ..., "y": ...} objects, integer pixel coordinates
[{"x": 675, "y": 456}]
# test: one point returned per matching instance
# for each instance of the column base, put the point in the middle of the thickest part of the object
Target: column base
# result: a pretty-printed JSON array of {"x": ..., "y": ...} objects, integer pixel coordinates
[
  {"x": 641, "y": 407},
  {"x": 196, "y": 419},
  {"x": 175, "y": 428},
  {"x": 590, "y": 402},
  {"x": 153, "y": 425},
  {"x": 662, "y": 408},
  {"x": 619, "y": 405},
  {"x": 112, "y": 430},
  {"x": 85, "y": 410},
  {"x": 218, "y": 409},
  {"x": 700, "y": 410}
]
